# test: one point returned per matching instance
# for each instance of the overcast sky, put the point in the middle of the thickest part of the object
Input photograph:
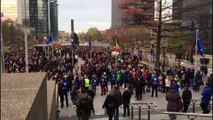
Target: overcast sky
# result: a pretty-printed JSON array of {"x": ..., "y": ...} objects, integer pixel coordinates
[{"x": 86, "y": 14}]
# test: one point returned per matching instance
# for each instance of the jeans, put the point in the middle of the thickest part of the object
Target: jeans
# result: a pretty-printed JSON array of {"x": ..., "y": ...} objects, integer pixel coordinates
[
  {"x": 156, "y": 91},
  {"x": 116, "y": 115},
  {"x": 126, "y": 109},
  {"x": 205, "y": 108}
]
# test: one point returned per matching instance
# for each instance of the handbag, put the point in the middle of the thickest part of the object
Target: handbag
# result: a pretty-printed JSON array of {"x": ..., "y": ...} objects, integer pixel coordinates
[{"x": 179, "y": 104}]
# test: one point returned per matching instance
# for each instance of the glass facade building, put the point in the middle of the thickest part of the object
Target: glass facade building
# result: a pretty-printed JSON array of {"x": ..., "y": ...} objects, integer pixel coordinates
[
  {"x": 54, "y": 19},
  {"x": 9, "y": 9}
]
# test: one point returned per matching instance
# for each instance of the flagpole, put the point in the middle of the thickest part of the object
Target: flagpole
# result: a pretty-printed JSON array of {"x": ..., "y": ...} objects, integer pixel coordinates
[
  {"x": 197, "y": 31},
  {"x": 150, "y": 48}
]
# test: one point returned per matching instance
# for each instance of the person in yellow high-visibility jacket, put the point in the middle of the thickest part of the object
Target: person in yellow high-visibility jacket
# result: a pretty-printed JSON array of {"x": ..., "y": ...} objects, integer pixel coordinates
[{"x": 86, "y": 83}]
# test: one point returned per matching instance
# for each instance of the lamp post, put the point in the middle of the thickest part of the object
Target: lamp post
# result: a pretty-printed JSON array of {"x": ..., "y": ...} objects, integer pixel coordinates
[{"x": 25, "y": 38}]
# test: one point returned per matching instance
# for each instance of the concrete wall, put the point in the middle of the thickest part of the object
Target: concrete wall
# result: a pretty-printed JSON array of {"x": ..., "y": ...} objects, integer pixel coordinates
[
  {"x": 38, "y": 110},
  {"x": 51, "y": 100}
]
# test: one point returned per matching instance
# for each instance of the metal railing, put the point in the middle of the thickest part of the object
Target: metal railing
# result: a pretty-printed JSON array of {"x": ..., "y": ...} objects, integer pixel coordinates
[
  {"x": 194, "y": 103},
  {"x": 190, "y": 116},
  {"x": 138, "y": 106}
]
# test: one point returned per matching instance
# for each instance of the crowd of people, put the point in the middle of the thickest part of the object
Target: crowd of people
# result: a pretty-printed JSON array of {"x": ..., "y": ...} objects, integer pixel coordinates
[
  {"x": 111, "y": 73},
  {"x": 125, "y": 71}
]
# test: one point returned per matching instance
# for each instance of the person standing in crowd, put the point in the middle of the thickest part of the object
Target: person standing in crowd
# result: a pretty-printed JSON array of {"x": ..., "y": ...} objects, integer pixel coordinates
[
  {"x": 205, "y": 98},
  {"x": 176, "y": 86},
  {"x": 94, "y": 82},
  {"x": 84, "y": 106},
  {"x": 113, "y": 79},
  {"x": 86, "y": 83},
  {"x": 126, "y": 101},
  {"x": 110, "y": 104},
  {"x": 73, "y": 93},
  {"x": 118, "y": 96},
  {"x": 172, "y": 97},
  {"x": 155, "y": 83},
  {"x": 118, "y": 78},
  {"x": 103, "y": 85},
  {"x": 91, "y": 93},
  {"x": 186, "y": 97},
  {"x": 168, "y": 83},
  {"x": 198, "y": 80},
  {"x": 138, "y": 88},
  {"x": 63, "y": 89}
]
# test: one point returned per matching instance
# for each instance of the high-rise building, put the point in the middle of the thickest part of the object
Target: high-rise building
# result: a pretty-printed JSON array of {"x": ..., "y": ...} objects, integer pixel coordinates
[
  {"x": 198, "y": 18},
  {"x": 121, "y": 18},
  {"x": 117, "y": 14},
  {"x": 9, "y": 9},
  {"x": 54, "y": 19}
]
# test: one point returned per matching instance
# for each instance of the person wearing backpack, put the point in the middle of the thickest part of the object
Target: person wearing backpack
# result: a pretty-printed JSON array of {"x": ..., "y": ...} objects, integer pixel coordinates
[
  {"x": 113, "y": 79},
  {"x": 94, "y": 82},
  {"x": 110, "y": 104},
  {"x": 103, "y": 85},
  {"x": 63, "y": 89},
  {"x": 155, "y": 83},
  {"x": 84, "y": 106}
]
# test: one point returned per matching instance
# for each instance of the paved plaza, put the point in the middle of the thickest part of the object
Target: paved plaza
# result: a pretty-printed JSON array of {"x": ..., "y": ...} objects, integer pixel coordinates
[{"x": 69, "y": 113}]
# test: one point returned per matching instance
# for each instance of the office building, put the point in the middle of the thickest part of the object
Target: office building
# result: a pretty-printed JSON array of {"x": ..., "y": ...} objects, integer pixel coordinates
[
  {"x": 198, "y": 18},
  {"x": 9, "y": 10},
  {"x": 120, "y": 18},
  {"x": 54, "y": 19}
]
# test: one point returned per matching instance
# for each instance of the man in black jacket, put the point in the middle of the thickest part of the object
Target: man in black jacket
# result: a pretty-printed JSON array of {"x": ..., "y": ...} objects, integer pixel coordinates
[
  {"x": 186, "y": 96},
  {"x": 126, "y": 101}
]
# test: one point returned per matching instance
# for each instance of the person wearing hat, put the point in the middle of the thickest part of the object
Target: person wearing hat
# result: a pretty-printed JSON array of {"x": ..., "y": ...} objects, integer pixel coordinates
[{"x": 186, "y": 97}]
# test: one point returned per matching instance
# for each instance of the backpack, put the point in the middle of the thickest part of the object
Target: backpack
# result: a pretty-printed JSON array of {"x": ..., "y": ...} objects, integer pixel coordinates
[
  {"x": 84, "y": 104},
  {"x": 155, "y": 81}
]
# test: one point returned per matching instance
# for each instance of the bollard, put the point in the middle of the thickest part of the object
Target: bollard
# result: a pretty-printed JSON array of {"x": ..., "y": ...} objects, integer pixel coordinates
[
  {"x": 148, "y": 112},
  {"x": 131, "y": 112},
  {"x": 139, "y": 113},
  {"x": 193, "y": 107}
]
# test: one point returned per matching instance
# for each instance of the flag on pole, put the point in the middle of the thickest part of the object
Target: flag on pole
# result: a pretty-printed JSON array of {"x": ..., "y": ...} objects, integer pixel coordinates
[
  {"x": 117, "y": 48},
  {"x": 50, "y": 39},
  {"x": 59, "y": 44},
  {"x": 73, "y": 45},
  {"x": 151, "y": 45},
  {"x": 199, "y": 45},
  {"x": 44, "y": 40}
]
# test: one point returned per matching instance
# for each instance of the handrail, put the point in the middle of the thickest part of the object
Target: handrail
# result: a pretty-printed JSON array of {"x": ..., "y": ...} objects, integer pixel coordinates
[
  {"x": 195, "y": 115},
  {"x": 193, "y": 103},
  {"x": 148, "y": 105}
]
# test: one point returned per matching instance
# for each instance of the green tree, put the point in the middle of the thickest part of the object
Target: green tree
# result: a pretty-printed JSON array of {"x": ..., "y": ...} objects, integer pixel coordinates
[
  {"x": 180, "y": 43},
  {"x": 94, "y": 33}
]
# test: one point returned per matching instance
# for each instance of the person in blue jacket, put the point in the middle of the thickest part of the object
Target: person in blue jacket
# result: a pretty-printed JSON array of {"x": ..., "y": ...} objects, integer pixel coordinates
[
  {"x": 175, "y": 86},
  {"x": 155, "y": 83},
  {"x": 205, "y": 98},
  {"x": 113, "y": 79},
  {"x": 94, "y": 83}
]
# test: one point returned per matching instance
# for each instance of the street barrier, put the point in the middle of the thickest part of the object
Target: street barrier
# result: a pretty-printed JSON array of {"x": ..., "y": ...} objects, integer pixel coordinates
[
  {"x": 191, "y": 116},
  {"x": 138, "y": 106},
  {"x": 193, "y": 104}
]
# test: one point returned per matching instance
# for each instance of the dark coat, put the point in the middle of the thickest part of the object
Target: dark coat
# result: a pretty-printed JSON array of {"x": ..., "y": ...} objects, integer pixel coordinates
[
  {"x": 110, "y": 104},
  {"x": 187, "y": 96},
  {"x": 118, "y": 97},
  {"x": 172, "y": 97},
  {"x": 126, "y": 97}
]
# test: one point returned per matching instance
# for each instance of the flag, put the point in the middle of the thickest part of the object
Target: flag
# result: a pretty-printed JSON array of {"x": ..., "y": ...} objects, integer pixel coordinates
[
  {"x": 50, "y": 39},
  {"x": 44, "y": 40},
  {"x": 199, "y": 45},
  {"x": 151, "y": 46},
  {"x": 73, "y": 45},
  {"x": 117, "y": 48},
  {"x": 59, "y": 44}
]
